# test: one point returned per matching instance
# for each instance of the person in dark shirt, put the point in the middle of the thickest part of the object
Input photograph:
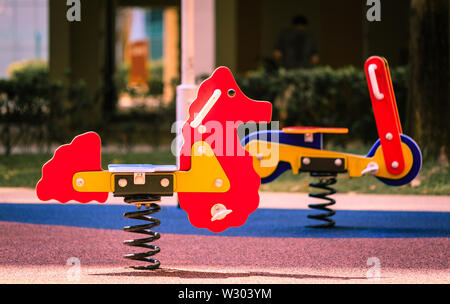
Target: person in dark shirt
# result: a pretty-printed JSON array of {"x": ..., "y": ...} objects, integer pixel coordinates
[{"x": 296, "y": 46}]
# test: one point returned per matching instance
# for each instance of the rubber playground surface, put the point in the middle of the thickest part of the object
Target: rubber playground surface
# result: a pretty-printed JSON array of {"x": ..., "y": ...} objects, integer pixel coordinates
[{"x": 377, "y": 239}]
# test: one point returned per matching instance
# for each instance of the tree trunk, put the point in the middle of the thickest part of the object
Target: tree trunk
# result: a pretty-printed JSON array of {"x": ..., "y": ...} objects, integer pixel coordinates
[{"x": 428, "y": 96}]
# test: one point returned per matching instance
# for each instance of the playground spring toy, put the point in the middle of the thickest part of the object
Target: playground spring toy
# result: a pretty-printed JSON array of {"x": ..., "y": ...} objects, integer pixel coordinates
[
  {"x": 395, "y": 159},
  {"x": 219, "y": 176},
  {"x": 216, "y": 183}
]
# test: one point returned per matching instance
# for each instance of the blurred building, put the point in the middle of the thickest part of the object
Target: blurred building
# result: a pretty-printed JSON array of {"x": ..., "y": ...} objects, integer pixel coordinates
[
  {"x": 23, "y": 31},
  {"x": 237, "y": 34},
  {"x": 247, "y": 30}
]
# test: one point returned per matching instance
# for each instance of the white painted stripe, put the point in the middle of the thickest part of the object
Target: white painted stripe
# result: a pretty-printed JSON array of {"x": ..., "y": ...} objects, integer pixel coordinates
[{"x": 206, "y": 108}]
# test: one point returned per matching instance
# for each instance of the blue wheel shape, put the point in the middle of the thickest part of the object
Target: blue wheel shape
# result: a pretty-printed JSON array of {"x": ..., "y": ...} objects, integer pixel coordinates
[{"x": 417, "y": 162}]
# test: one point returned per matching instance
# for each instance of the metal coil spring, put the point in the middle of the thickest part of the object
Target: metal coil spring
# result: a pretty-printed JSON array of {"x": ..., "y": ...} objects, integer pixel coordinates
[
  {"x": 324, "y": 183},
  {"x": 150, "y": 208}
]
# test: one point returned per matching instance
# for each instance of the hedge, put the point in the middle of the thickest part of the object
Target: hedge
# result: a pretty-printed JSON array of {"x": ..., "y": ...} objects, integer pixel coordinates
[
  {"x": 324, "y": 97},
  {"x": 37, "y": 111}
]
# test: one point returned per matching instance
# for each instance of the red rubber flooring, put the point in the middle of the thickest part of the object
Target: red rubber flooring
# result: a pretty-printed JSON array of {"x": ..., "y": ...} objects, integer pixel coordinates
[{"x": 39, "y": 254}]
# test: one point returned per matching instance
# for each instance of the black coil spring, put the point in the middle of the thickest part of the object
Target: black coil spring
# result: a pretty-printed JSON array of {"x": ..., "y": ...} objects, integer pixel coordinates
[
  {"x": 324, "y": 183},
  {"x": 150, "y": 208}
]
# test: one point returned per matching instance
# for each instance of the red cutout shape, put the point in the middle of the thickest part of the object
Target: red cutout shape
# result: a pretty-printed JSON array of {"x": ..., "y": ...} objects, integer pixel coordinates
[
  {"x": 230, "y": 109},
  {"x": 82, "y": 154}
]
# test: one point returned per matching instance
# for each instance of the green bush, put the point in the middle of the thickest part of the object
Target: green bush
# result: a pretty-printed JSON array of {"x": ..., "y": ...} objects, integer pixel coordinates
[
  {"x": 24, "y": 105},
  {"x": 37, "y": 111},
  {"x": 28, "y": 69},
  {"x": 139, "y": 127},
  {"x": 323, "y": 97}
]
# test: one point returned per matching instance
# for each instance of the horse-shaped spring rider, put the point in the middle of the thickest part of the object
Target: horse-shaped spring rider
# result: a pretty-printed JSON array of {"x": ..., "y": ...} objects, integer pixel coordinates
[{"x": 218, "y": 179}]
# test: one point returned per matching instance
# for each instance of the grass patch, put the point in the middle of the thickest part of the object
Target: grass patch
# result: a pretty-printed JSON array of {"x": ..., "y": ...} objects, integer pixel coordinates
[{"x": 24, "y": 170}]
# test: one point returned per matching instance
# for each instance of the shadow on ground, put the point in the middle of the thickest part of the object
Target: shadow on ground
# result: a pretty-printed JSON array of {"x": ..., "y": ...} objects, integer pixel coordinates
[{"x": 189, "y": 274}]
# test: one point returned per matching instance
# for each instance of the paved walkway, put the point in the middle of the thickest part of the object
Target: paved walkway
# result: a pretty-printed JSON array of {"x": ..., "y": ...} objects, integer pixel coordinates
[{"x": 282, "y": 200}]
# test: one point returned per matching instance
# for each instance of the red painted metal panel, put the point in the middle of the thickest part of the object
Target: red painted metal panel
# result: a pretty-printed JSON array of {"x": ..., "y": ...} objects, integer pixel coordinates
[
  {"x": 82, "y": 154},
  {"x": 386, "y": 113},
  {"x": 218, "y": 128}
]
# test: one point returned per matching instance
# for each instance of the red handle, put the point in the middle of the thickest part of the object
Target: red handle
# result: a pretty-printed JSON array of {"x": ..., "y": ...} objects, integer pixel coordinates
[{"x": 386, "y": 113}]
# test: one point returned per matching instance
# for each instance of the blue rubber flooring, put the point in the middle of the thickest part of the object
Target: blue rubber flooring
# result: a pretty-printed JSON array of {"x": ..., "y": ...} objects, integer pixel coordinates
[{"x": 261, "y": 223}]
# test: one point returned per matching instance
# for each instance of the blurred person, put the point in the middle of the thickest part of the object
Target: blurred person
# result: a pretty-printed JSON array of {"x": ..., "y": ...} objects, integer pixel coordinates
[{"x": 296, "y": 46}]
